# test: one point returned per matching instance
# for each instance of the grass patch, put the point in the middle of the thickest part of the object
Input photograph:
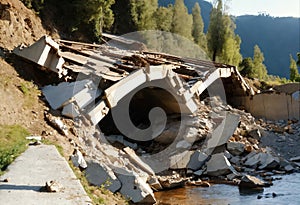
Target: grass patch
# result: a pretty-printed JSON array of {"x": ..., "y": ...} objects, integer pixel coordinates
[
  {"x": 12, "y": 143},
  {"x": 30, "y": 92},
  {"x": 92, "y": 191}
]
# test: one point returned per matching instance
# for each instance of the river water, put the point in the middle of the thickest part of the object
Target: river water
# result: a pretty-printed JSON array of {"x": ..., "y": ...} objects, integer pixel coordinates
[{"x": 287, "y": 192}]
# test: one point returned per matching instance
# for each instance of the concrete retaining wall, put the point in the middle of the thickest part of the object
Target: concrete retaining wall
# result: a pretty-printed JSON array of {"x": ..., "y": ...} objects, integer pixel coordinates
[{"x": 272, "y": 106}]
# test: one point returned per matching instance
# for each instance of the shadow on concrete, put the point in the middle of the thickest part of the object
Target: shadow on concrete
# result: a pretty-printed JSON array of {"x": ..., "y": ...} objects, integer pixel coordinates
[{"x": 20, "y": 187}]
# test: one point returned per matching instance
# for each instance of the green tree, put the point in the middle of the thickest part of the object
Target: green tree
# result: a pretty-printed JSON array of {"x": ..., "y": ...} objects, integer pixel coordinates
[
  {"x": 298, "y": 61},
  {"x": 164, "y": 17},
  {"x": 123, "y": 22},
  {"x": 246, "y": 67},
  {"x": 182, "y": 21},
  {"x": 260, "y": 70},
  {"x": 231, "y": 48},
  {"x": 223, "y": 43},
  {"x": 198, "y": 26},
  {"x": 142, "y": 14},
  {"x": 294, "y": 73},
  {"x": 216, "y": 31},
  {"x": 83, "y": 18}
]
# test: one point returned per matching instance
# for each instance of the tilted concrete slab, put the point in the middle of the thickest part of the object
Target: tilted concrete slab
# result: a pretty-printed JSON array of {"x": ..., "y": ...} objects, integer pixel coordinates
[
  {"x": 45, "y": 53},
  {"x": 223, "y": 132},
  {"x": 30, "y": 172}
]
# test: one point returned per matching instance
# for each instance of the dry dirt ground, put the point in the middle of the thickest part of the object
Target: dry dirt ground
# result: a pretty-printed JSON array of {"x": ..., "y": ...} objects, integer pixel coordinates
[{"x": 21, "y": 101}]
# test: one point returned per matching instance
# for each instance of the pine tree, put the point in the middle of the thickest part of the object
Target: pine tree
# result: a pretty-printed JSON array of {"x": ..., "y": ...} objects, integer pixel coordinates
[
  {"x": 246, "y": 67},
  {"x": 182, "y": 21},
  {"x": 91, "y": 16},
  {"x": 294, "y": 73},
  {"x": 164, "y": 17},
  {"x": 260, "y": 70},
  {"x": 216, "y": 31},
  {"x": 142, "y": 14},
  {"x": 198, "y": 26},
  {"x": 223, "y": 44}
]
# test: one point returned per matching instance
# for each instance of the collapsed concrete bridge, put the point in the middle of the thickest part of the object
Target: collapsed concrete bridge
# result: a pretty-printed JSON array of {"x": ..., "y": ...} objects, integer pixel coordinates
[
  {"x": 102, "y": 81},
  {"x": 171, "y": 82}
]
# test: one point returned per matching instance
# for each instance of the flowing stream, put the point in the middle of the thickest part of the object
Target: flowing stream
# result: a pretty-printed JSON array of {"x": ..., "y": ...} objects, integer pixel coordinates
[{"x": 287, "y": 191}]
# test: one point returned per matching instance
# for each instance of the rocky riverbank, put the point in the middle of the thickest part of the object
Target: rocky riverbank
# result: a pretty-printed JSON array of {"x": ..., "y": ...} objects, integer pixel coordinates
[{"x": 240, "y": 155}]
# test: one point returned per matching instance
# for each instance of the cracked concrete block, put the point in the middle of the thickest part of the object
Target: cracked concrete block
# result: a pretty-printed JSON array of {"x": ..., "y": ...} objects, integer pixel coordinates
[
  {"x": 70, "y": 111},
  {"x": 58, "y": 95},
  {"x": 181, "y": 160},
  {"x": 268, "y": 161},
  {"x": 253, "y": 160},
  {"x": 197, "y": 160},
  {"x": 134, "y": 187},
  {"x": 137, "y": 160},
  {"x": 248, "y": 181},
  {"x": 224, "y": 131},
  {"x": 78, "y": 159},
  {"x": 99, "y": 174},
  {"x": 219, "y": 165}
]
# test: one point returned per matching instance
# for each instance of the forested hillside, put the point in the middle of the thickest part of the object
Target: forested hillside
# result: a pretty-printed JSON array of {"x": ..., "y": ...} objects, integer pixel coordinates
[{"x": 276, "y": 37}]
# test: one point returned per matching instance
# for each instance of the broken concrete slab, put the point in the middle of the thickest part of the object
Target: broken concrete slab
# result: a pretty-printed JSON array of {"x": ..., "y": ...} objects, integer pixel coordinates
[
  {"x": 101, "y": 175},
  {"x": 154, "y": 183},
  {"x": 224, "y": 131},
  {"x": 295, "y": 159},
  {"x": 181, "y": 160},
  {"x": 170, "y": 183},
  {"x": 253, "y": 159},
  {"x": 45, "y": 52},
  {"x": 268, "y": 161},
  {"x": 134, "y": 187},
  {"x": 197, "y": 160},
  {"x": 71, "y": 111},
  {"x": 120, "y": 139},
  {"x": 136, "y": 160},
  {"x": 248, "y": 181},
  {"x": 78, "y": 159},
  {"x": 219, "y": 165},
  {"x": 236, "y": 148},
  {"x": 63, "y": 93}
]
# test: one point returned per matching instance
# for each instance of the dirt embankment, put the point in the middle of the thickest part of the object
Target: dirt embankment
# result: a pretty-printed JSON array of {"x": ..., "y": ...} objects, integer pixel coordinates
[{"x": 18, "y": 25}]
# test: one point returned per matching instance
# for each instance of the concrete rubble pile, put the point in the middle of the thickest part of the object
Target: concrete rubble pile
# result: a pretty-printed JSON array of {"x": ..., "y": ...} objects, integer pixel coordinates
[{"x": 215, "y": 141}]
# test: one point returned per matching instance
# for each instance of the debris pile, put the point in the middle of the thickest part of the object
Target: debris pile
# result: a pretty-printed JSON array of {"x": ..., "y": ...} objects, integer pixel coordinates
[{"x": 203, "y": 139}]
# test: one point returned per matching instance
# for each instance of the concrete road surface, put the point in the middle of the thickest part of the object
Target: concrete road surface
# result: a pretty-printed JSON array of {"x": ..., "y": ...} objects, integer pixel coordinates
[{"x": 29, "y": 173}]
